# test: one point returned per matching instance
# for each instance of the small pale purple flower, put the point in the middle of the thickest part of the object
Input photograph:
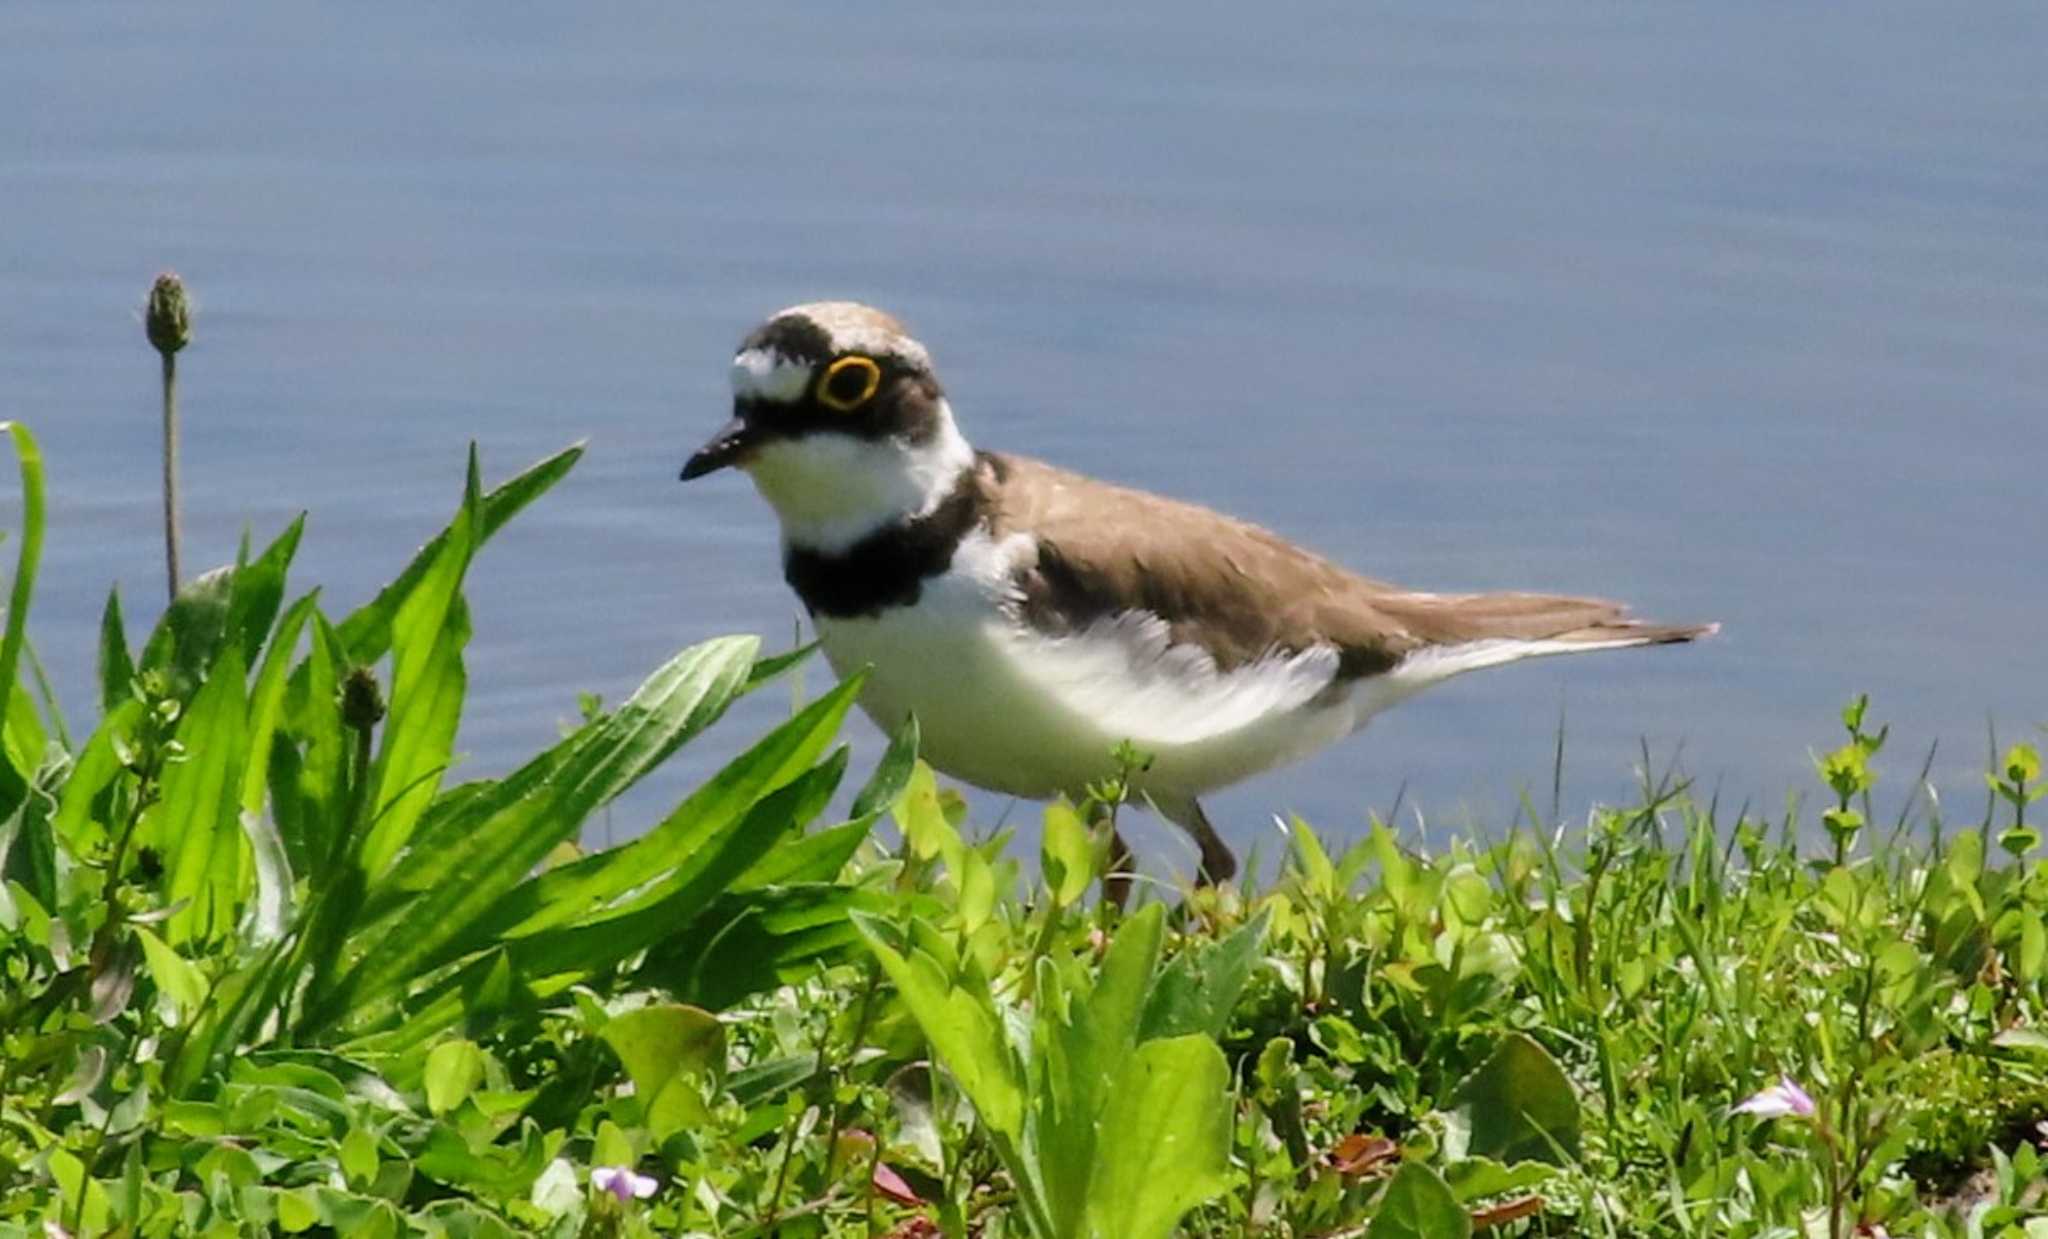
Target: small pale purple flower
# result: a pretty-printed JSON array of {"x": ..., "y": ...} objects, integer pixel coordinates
[
  {"x": 622, "y": 1183},
  {"x": 1780, "y": 1099}
]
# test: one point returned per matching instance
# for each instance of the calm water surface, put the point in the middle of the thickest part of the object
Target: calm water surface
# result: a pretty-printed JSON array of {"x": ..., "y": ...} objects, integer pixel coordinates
[{"x": 1732, "y": 311}]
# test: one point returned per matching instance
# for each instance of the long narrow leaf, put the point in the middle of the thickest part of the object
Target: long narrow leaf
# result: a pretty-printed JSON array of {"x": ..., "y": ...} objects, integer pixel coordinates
[
  {"x": 569, "y": 955},
  {"x": 507, "y": 838},
  {"x": 258, "y": 591},
  {"x": 266, "y": 700},
  {"x": 428, "y": 634},
  {"x": 21, "y": 591},
  {"x": 98, "y": 762},
  {"x": 367, "y": 633},
  {"x": 307, "y": 766},
  {"x": 116, "y": 667},
  {"x": 574, "y": 891},
  {"x": 197, "y": 826}
]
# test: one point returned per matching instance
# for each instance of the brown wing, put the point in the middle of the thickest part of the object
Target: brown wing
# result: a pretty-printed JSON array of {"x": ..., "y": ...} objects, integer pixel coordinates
[{"x": 1241, "y": 591}]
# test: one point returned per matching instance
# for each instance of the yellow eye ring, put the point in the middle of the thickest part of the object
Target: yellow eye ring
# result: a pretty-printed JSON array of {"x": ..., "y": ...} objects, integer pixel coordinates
[{"x": 836, "y": 388}]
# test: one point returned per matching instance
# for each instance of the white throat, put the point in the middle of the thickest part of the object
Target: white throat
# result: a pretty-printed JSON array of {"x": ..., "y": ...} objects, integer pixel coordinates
[{"x": 832, "y": 490}]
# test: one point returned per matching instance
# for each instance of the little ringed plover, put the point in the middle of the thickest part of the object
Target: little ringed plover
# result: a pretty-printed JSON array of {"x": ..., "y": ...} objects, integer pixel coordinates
[{"x": 1033, "y": 618}]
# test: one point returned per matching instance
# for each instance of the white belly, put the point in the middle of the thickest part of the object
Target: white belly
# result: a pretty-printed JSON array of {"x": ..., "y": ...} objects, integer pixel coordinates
[{"x": 1014, "y": 711}]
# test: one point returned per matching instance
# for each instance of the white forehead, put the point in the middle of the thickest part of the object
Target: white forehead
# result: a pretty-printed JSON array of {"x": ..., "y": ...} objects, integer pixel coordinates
[{"x": 764, "y": 374}]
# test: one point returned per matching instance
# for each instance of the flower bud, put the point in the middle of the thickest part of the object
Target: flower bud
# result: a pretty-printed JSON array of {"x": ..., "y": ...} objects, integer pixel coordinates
[
  {"x": 168, "y": 318},
  {"x": 362, "y": 701}
]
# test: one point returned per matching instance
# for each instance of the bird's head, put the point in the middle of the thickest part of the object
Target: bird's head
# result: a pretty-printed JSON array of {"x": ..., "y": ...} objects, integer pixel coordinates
[{"x": 840, "y": 422}]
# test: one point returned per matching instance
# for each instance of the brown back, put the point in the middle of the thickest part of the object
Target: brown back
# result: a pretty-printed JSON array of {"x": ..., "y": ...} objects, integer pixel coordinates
[{"x": 1241, "y": 591}]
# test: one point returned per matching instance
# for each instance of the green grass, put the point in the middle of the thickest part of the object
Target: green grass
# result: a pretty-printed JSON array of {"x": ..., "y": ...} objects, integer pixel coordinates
[{"x": 262, "y": 969}]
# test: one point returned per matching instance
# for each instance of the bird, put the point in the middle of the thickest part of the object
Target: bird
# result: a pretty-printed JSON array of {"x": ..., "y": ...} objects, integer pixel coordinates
[{"x": 1034, "y": 619}]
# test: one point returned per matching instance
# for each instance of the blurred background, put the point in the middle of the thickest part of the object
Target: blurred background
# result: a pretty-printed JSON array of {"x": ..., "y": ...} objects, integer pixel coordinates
[{"x": 1735, "y": 312}]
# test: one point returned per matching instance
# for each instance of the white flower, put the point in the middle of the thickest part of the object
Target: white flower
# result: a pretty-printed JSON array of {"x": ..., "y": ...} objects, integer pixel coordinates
[
  {"x": 1780, "y": 1099},
  {"x": 621, "y": 1182}
]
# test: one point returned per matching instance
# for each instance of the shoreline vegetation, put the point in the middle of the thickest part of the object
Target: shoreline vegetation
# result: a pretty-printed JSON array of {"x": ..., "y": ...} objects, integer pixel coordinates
[{"x": 264, "y": 969}]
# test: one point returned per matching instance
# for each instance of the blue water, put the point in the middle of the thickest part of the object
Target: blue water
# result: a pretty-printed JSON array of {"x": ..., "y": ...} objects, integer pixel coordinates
[{"x": 1735, "y": 311}]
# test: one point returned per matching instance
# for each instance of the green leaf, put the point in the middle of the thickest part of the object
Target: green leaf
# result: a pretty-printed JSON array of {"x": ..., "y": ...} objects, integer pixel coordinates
[
  {"x": 366, "y": 634},
  {"x": 1197, "y": 991},
  {"x": 1163, "y": 1147},
  {"x": 1318, "y": 875},
  {"x": 816, "y": 857},
  {"x": 1417, "y": 1205},
  {"x": 198, "y": 824},
  {"x": 1520, "y": 1105},
  {"x": 191, "y": 632},
  {"x": 29, "y": 457},
  {"x": 176, "y": 977},
  {"x": 309, "y": 756},
  {"x": 502, "y": 832},
  {"x": 922, "y": 819},
  {"x": 892, "y": 773},
  {"x": 576, "y": 890},
  {"x": 267, "y": 701},
  {"x": 977, "y": 883},
  {"x": 748, "y": 942},
  {"x": 1066, "y": 854},
  {"x": 117, "y": 669},
  {"x": 2030, "y": 1040},
  {"x": 453, "y": 1071},
  {"x": 668, "y": 1050},
  {"x": 428, "y": 680},
  {"x": 257, "y": 590},
  {"x": 958, "y": 1016},
  {"x": 99, "y": 762}
]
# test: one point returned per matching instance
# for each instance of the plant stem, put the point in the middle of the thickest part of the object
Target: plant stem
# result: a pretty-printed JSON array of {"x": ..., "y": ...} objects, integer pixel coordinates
[{"x": 171, "y": 536}]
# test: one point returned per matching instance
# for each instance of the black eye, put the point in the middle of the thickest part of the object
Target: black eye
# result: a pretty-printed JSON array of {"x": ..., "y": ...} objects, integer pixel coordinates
[{"x": 849, "y": 383}]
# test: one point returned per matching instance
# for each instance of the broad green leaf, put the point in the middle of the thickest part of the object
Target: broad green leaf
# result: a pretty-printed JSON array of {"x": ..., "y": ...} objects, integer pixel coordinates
[
  {"x": 1474, "y": 1177},
  {"x": 84, "y": 1198},
  {"x": 1418, "y": 1205},
  {"x": 1066, "y": 854},
  {"x": 1520, "y": 1105},
  {"x": 1164, "y": 1145},
  {"x": 959, "y": 1018},
  {"x": 922, "y": 818},
  {"x": 1198, "y": 989},
  {"x": 1318, "y": 875},
  {"x": 977, "y": 886},
  {"x": 176, "y": 977},
  {"x": 1126, "y": 978},
  {"x": 366, "y": 634},
  {"x": 668, "y": 1050},
  {"x": 191, "y": 631},
  {"x": 454, "y": 1069},
  {"x": 198, "y": 824}
]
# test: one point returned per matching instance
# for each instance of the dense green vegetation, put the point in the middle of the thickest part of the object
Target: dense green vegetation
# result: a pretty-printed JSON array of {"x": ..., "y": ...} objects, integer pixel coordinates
[{"x": 262, "y": 969}]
